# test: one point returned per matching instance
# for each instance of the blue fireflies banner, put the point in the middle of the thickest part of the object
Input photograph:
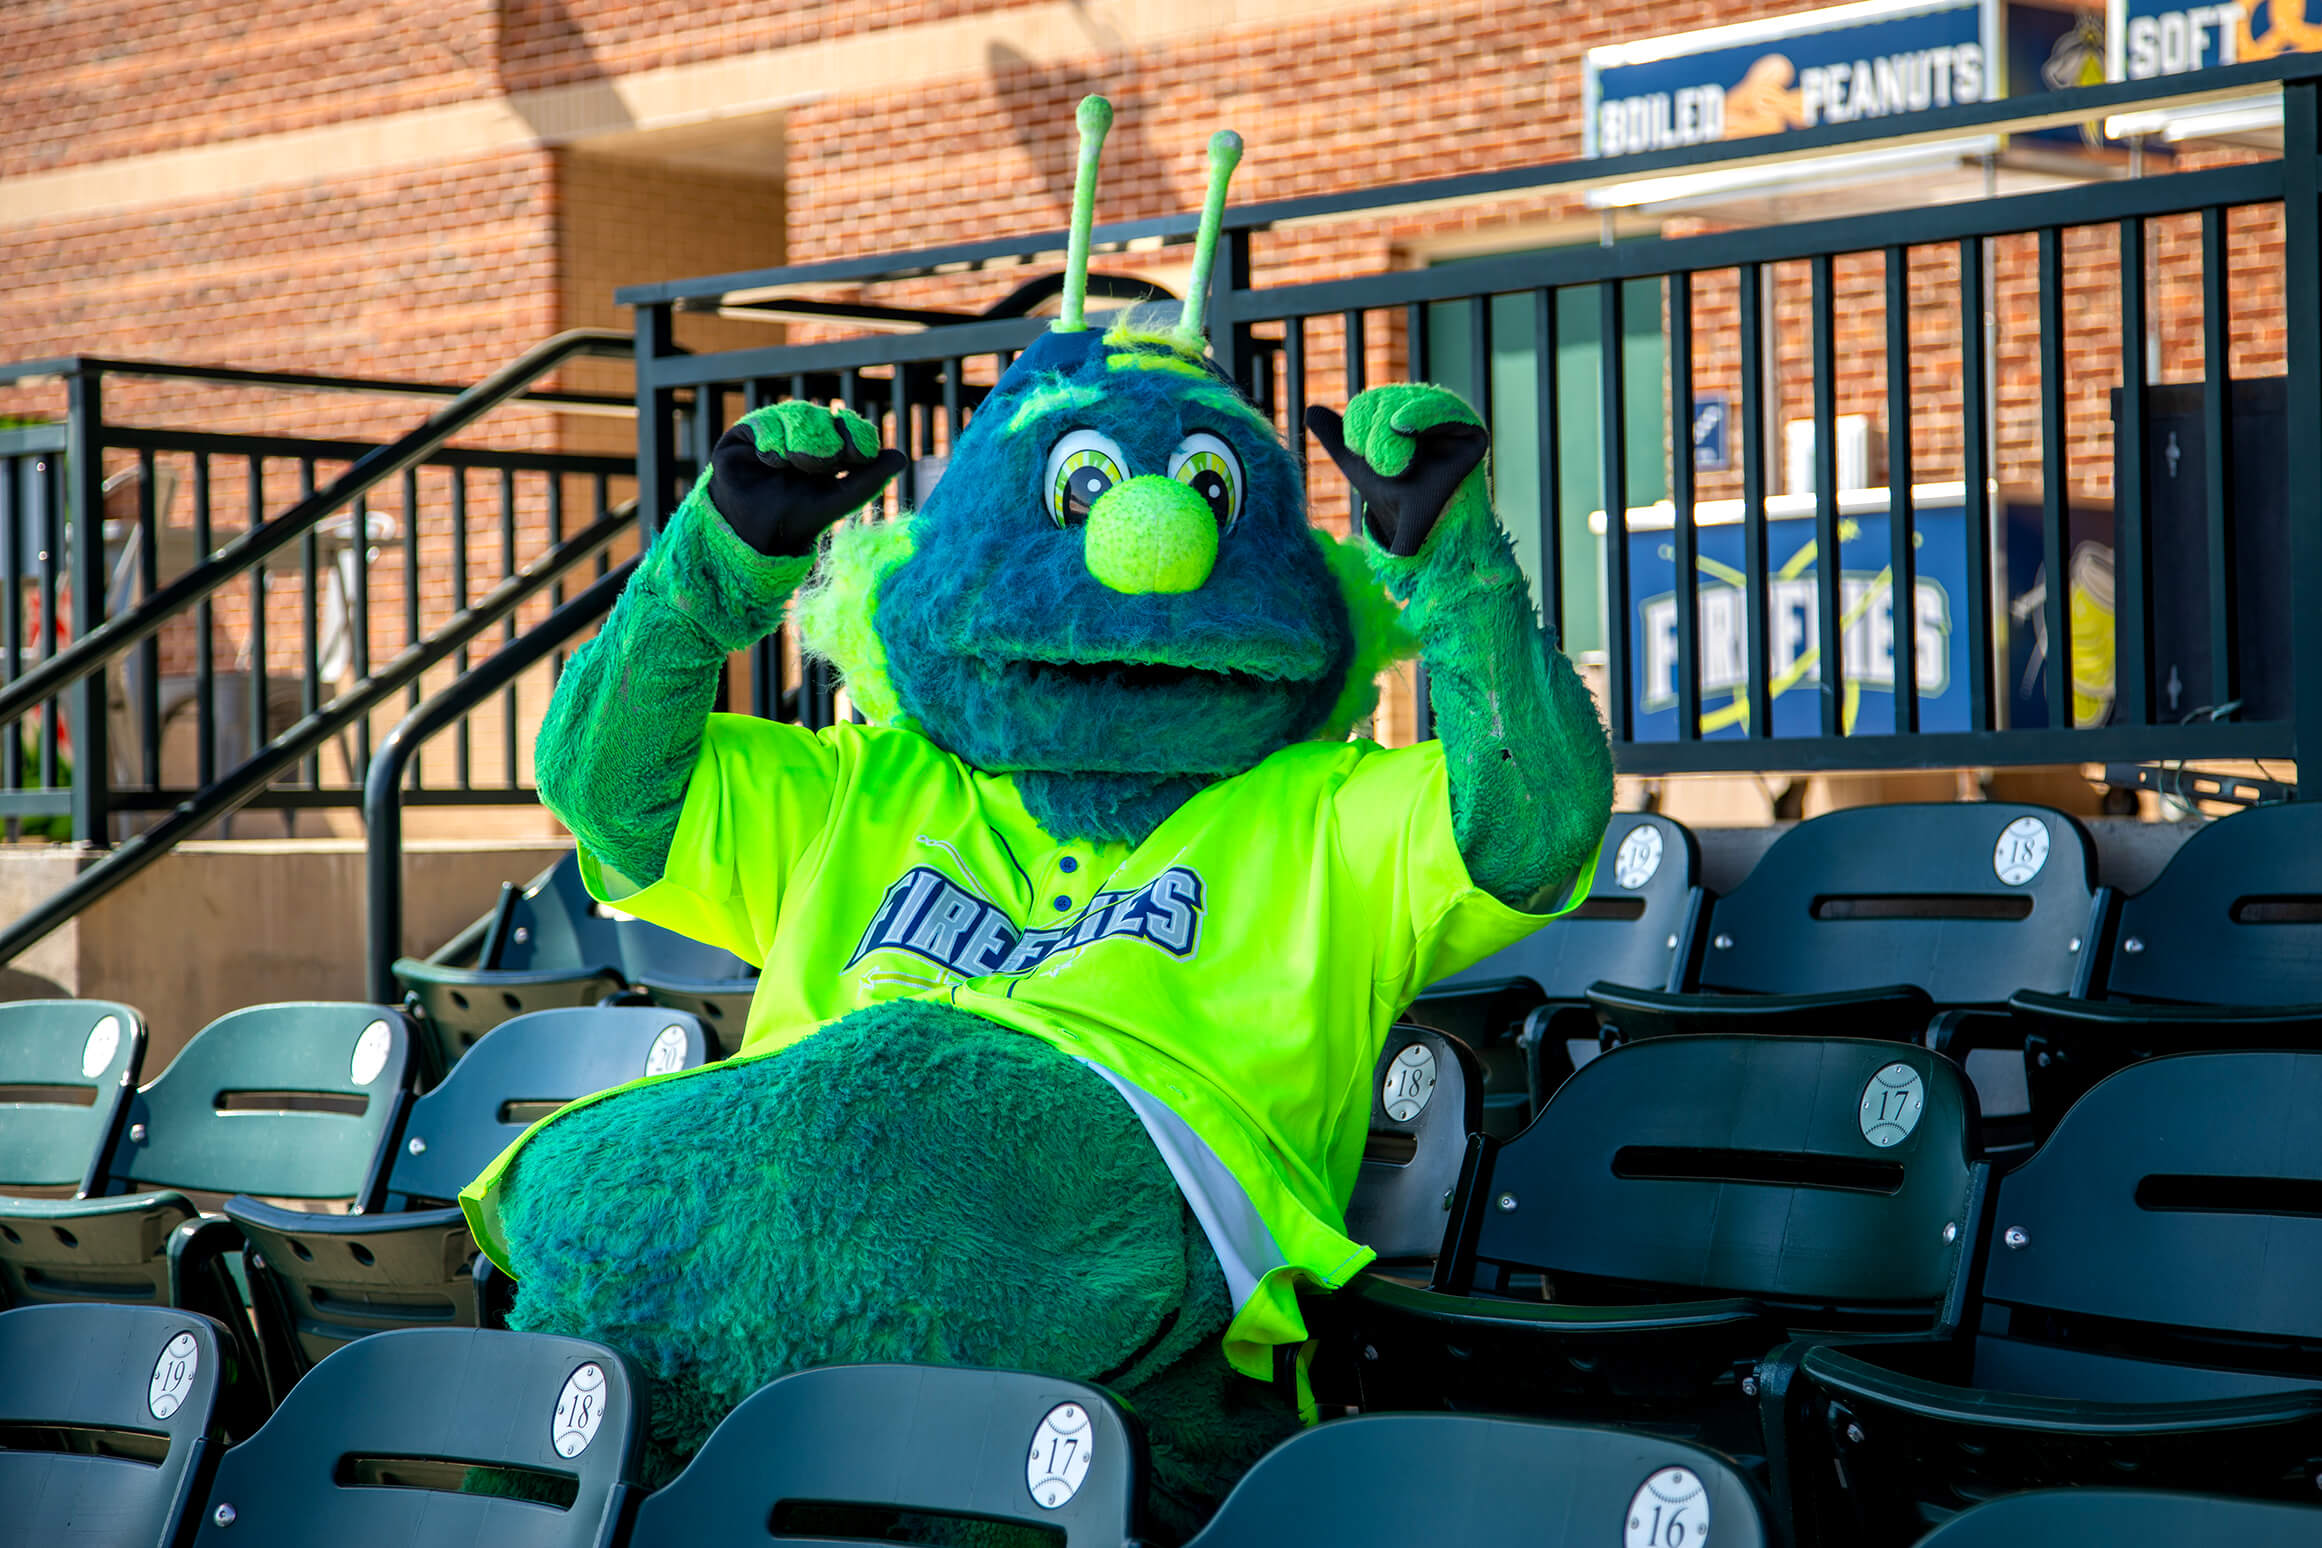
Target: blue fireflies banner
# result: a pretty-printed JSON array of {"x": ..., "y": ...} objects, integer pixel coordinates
[
  {"x": 1878, "y": 59},
  {"x": 1873, "y": 627},
  {"x": 2151, "y": 38}
]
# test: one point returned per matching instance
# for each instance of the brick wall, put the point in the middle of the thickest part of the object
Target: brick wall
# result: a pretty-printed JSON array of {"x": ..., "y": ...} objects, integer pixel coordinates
[{"x": 443, "y": 270}]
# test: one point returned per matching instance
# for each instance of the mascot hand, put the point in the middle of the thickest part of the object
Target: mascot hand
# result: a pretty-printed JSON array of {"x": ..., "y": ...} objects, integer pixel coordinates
[
  {"x": 781, "y": 474},
  {"x": 1406, "y": 449}
]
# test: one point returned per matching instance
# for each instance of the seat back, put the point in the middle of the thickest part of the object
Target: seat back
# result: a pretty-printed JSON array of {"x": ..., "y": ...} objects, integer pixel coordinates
[
  {"x": 1632, "y": 929},
  {"x": 1426, "y": 1099},
  {"x": 377, "y": 1445},
  {"x": 1394, "y": 1479},
  {"x": 554, "y": 923},
  {"x": 66, "y": 1070},
  {"x": 2235, "y": 918},
  {"x": 523, "y": 1069},
  {"x": 2127, "y": 1518},
  {"x": 298, "y": 1100},
  {"x": 1825, "y": 1171},
  {"x": 813, "y": 1456},
  {"x": 105, "y": 1415},
  {"x": 2183, "y": 1194},
  {"x": 1969, "y": 902}
]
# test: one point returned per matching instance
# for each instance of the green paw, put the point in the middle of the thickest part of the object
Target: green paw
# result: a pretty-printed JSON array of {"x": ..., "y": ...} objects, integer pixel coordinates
[
  {"x": 1383, "y": 424},
  {"x": 807, "y": 435}
]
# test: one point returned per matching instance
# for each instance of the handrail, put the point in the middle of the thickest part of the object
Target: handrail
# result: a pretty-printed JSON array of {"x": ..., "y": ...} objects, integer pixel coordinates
[
  {"x": 383, "y": 783},
  {"x": 97, "y": 648},
  {"x": 29, "y": 372},
  {"x": 227, "y": 794},
  {"x": 2050, "y": 109}
]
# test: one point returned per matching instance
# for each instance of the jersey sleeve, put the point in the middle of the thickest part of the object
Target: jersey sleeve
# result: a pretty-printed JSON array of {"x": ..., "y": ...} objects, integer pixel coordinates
[
  {"x": 756, "y": 801},
  {"x": 1395, "y": 839}
]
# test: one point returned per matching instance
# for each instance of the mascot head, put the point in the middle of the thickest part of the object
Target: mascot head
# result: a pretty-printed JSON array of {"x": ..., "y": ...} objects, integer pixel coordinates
[{"x": 1113, "y": 594}]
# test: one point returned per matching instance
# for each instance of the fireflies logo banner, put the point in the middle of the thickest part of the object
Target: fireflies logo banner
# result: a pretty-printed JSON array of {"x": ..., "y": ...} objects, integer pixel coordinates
[{"x": 1837, "y": 66}]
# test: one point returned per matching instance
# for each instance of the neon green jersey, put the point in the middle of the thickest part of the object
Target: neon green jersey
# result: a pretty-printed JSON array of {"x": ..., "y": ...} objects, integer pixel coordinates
[{"x": 1234, "y": 976}]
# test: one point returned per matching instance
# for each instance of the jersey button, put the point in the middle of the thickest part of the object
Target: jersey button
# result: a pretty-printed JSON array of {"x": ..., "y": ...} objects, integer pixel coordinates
[
  {"x": 1068, "y": 865},
  {"x": 1063, "y": 905}
]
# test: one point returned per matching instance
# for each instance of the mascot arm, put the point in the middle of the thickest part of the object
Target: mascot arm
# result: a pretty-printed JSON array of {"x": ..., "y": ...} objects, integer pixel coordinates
[
  {"x": 1525, "y": 752},
  {"x": 622, "y": 738}
]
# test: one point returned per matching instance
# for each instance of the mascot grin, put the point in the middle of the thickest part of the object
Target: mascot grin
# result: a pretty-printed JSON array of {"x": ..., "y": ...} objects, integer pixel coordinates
[{"x": 1078, "y": 954}]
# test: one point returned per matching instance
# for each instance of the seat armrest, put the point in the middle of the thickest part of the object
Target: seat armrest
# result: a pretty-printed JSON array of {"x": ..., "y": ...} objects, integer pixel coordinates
[
  {"x": 1836, "y": 1371},
  {"x": 1393, "y": 1298},
  {"x": 2296, "y": 1022},
  {"x": 1899, "y": 1012}
]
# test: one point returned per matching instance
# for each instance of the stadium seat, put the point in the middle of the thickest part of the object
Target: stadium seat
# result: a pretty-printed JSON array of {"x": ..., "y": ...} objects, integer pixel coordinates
[
  {"x": 859, "y": 1451},
  {"x": 291, "y": 1101},
  {"x": 317, "y": 1281},
  {"x": 439, "y": 1436},
  {"x": 2128, "y": 1518},
  {"x": 1426, "y": 1099},
  {"x": 1869, "y": 921},
  {"x": 2147, "y": 1317},
  {"x": 1525, "y": 1009},
  {"x": 1387, "y": 1481},
  {"x": 106, "y": 1418},
  {"x": 2223, "y": 950},
  {"x": 66, "y": 1070},
  {"x": 551, "y": 945},
  {"x": 1691, "y": 1203}
]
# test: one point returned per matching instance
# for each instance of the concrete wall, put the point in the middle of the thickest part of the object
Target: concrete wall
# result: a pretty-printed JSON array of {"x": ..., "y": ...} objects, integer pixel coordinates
[{"x": 216, "y": 926}]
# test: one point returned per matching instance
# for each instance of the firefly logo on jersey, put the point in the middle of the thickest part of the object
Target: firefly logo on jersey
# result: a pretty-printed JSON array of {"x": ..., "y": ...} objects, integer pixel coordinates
[{"x": 929, "y": 915}]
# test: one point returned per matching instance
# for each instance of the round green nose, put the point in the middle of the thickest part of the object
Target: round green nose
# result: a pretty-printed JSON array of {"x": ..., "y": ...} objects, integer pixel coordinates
[{"x": 1151, "y": 534}]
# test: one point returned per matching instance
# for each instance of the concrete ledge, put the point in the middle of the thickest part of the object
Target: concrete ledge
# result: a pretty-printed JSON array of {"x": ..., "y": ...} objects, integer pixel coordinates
[{"x": 214, "y": 926}]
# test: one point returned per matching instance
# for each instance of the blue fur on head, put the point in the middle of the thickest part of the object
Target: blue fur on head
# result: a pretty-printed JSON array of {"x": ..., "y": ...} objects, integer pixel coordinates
[{"x": 1111, "y": 708}]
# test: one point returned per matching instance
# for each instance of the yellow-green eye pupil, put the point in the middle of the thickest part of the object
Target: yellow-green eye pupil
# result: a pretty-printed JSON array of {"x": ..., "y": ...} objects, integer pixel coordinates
[
  {"x": 1212, "y": 478},
  {"x": 1082, "y": 476}
]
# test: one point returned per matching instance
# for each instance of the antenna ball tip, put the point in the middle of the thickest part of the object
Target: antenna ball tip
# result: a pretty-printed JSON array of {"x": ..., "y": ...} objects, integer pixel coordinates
[
  {"x": 1095, "y": 114},
  {"x": 1225, "y": 148}
]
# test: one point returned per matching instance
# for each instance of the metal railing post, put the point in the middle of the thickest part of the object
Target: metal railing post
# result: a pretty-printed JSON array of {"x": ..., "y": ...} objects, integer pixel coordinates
[
  {"x": 2302, "y": 411},
  {"x": 85, "y": 543},
  {"x": 656, "y": 421}
]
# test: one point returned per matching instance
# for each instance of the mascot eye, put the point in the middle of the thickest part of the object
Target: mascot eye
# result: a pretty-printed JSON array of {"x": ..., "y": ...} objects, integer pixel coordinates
[
  {"x": 1080, "y": 467},
  {"x": 1207, "y": 463}
]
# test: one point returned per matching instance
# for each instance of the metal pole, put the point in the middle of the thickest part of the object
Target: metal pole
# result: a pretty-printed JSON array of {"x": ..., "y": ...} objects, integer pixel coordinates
[
  {"x": 383, "y": 785},
  {"x": 85, "y": 545}
]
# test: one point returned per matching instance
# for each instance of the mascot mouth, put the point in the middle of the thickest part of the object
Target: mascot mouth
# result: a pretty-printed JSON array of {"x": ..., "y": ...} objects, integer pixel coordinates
[{"x": 1132, "y": 675}]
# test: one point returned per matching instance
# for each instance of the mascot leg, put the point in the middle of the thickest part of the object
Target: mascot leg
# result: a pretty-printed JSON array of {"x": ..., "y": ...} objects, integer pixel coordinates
[{"x": 910, "y": 1183}]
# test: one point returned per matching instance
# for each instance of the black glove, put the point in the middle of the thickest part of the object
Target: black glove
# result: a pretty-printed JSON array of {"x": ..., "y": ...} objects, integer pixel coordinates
[
  {"x": 1401, "y": 511},
  {"x": 783, "y": 473}
]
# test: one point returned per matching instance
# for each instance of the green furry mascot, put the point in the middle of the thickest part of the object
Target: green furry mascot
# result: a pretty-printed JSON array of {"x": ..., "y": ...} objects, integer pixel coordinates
[{"x": 1077, "y": 956}]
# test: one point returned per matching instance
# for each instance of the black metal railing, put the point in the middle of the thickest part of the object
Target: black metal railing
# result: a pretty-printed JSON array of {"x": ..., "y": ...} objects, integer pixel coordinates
[
  {"x": 358, "y": 643},
  {"x": 2040, "y": 360},
  {"x": 387, "y": 785},
  {"x": 242, "y": 579}
]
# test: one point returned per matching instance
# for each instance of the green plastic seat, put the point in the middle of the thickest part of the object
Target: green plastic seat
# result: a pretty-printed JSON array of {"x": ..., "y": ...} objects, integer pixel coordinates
[
  {"x": 2128, "y": 1518},
  {"x": 2223, "y": 950},
  {"x": 1636, "y": 928},
  {"x": 551, "y": 946},
  {"x": 2147, "y": 1317},
  {"x": 66, "y": 1071},
  {"x": 319, "y": 1281},
  {"x": 1391, "y": 1480},
  {"x": 843, "y": 1451},
  {"x": 1900, "y": 922},
  {"x": 1426, "y": 1099},
  {"x": 107, "y": 1417},
  {"x": 374, "y": 1448},
  {"x": 1686, "y": 1203},
  {"x": 295, "y": 1101}
]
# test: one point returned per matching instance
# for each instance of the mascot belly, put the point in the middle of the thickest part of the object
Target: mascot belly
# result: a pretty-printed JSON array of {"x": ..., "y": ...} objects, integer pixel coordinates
[{"x": 1077, "y": 956}]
